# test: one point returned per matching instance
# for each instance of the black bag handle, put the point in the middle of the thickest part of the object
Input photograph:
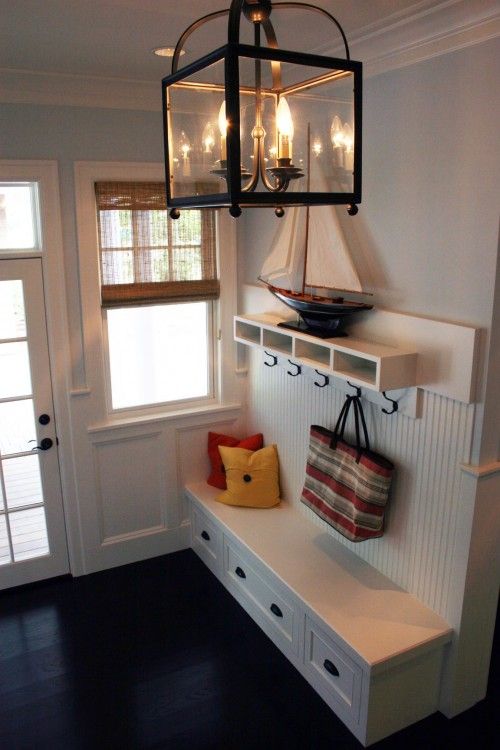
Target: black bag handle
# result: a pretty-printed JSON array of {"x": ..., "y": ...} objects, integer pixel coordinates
[
  {"x": 338, "y": 432},
  {"x": 360, "y": 416},
  {"x": 356, "y": 426}
]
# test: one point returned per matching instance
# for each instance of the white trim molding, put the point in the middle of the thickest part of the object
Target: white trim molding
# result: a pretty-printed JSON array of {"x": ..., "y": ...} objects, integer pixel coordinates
[
  {"x": 67, "y": 90},
  {"x": 425, "y": 30},
  {"x": 436, "y": 29}
]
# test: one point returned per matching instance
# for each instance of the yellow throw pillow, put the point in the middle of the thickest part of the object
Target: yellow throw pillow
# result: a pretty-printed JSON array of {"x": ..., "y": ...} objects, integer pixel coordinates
[{"x": 252, "y": 477}]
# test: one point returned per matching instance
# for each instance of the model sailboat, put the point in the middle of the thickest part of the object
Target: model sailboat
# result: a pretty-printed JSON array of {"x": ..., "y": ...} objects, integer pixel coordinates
[{"x": 310, "y": 253}]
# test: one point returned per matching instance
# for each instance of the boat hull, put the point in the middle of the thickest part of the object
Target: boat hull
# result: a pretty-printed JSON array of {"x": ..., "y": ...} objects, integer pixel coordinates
[{"x": 322, "y": 316}]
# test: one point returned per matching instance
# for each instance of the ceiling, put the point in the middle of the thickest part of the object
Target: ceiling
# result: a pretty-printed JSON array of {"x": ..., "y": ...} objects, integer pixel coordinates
[{"x": 115, "y": 38}]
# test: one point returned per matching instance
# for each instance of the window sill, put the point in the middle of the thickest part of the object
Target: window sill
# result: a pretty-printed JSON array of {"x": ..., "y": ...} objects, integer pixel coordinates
[{"x": 170, "y": 416}]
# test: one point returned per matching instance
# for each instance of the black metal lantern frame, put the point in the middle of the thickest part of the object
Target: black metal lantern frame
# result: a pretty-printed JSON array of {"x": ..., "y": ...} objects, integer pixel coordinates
[{"x": 265, "y": 182}]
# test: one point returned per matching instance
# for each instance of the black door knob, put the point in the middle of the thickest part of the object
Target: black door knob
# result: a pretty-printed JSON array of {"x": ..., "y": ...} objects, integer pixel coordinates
[
  {"x": 44, "y": 419},
  {"x": 45, "y": 444}
]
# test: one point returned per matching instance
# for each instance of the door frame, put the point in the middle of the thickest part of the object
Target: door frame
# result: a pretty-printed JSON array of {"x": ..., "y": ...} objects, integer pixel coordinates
[{"x": 46, "y": 174}]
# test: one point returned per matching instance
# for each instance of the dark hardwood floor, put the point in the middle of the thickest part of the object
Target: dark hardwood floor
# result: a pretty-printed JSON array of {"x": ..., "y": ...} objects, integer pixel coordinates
[{"x": 158, "y": 655}]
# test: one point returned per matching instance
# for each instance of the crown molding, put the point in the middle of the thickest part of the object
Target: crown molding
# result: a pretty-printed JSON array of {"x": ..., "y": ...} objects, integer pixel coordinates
[
  {"x": 433, "y": 29},
  {"x": 426, "y": 30},
  {"x": 65, "y": 89}
]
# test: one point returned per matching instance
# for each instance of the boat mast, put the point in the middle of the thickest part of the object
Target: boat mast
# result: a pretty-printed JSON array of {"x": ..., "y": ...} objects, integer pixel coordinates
[{"x": 307, "y": 207}]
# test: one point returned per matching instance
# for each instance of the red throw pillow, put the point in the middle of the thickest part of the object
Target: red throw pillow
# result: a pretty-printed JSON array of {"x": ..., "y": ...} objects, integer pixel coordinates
[{"x": 217, "y": 476}]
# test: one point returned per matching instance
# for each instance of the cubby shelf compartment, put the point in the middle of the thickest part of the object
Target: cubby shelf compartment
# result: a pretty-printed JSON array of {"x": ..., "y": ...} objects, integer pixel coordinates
[
  {"x": 370, "y": 365},
  {"x": 277, "y": 341},
  {"x": 247, "y": 333}
]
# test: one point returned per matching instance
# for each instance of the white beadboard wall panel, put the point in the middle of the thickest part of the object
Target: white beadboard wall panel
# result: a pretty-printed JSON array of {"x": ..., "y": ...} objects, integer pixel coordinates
[{"x": 417, "y": 549}]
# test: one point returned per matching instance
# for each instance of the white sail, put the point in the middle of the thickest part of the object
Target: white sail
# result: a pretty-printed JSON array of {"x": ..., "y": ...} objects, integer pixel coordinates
[
  {"x": 284, "y": 266},
  {"x": 329, "y": 264}
]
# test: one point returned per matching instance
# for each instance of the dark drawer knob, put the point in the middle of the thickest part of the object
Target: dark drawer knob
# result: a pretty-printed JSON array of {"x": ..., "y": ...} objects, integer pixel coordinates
[
  {"x": 331, "y": 668},
  {"x": 240, "y": 572},
  {"x": 276, "y": 610},
  {"x": 205, "y": 535}
]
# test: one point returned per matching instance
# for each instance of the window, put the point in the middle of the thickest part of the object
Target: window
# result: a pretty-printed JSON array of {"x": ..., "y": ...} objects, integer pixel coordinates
[
  {"x": 158, "y": 283},
  {"x": 19, "y": 216}
]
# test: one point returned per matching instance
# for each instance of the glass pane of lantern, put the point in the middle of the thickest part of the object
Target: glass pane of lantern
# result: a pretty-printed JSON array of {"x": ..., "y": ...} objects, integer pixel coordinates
[
  {"x": 313, "y": 127},
  {"x": 197, "y": 132}
]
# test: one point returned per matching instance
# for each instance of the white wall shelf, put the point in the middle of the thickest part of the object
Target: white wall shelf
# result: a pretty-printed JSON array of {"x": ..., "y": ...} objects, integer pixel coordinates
[{"x": 375, "y": 366}]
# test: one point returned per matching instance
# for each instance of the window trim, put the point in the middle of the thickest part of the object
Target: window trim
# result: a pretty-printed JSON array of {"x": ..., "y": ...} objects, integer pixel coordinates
[{"x": 225, "y": 386}]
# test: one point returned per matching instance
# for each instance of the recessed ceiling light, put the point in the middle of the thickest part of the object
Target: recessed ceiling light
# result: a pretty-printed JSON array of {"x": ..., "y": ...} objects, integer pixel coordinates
[{"x": 166, "y": 51}]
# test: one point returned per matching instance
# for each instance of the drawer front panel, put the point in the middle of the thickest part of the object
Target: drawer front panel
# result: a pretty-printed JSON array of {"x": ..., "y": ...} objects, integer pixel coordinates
[
  {"x": 206, "y": 539},
  {"x": 334, "y": 674},
  {"x": 279, "y": 613}
]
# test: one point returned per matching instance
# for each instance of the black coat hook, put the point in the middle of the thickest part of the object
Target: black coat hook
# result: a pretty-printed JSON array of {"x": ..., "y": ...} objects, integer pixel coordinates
[
  {"x": 395, "y": 404},
  {"x": 273, "y": 357},
  {"x": 299, "y": 369},
  {"x": 326, "y": 379},
  {"x": 358, "y": 389}
]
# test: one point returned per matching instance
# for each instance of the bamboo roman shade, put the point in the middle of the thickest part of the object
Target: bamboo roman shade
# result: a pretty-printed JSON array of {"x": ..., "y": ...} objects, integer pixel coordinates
[{"x": 148, "y": 258}]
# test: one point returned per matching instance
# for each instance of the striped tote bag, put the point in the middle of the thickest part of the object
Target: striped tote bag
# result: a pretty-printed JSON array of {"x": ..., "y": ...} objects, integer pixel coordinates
[{"x": 347, "y": 485}]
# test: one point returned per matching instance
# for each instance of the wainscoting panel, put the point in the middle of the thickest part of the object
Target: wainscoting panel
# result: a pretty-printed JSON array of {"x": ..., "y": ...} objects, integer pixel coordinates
[
  {"x": 417, "y": 550},
  {"x": 130, "y": 485}
]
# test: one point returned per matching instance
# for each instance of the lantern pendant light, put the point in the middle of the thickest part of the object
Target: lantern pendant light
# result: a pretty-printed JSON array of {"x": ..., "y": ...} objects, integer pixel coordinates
[{"x": 237, "y": 120}]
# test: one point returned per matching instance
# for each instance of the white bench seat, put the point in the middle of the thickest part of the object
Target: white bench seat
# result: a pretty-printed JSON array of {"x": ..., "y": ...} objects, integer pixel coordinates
[{"x": 370, "y": 649}]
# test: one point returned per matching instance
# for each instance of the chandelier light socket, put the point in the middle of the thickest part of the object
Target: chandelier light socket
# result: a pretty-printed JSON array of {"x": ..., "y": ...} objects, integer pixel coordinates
[{"x": 257, "y": 12}]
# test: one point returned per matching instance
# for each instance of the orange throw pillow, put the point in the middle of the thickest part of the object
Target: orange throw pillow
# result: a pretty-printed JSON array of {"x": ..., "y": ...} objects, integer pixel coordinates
[{"x": 217, "y": 477}]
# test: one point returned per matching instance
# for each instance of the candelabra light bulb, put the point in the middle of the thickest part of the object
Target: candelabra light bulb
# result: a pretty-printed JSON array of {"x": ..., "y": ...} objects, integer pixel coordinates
[
  {"x": 348, "y": 137},
  {"x": 208, "y": 138},
  {"x": 317, "y": 147},
  {"x": 184, "y": 145},
  {"x": 337, "y": 132},
  {"x": 222, "y": 119},
  {"x": 284, "y": 124}
]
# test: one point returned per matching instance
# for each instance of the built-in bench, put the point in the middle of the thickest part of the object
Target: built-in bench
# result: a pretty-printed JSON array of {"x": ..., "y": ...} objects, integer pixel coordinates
[{"x": 372, "y": 651}]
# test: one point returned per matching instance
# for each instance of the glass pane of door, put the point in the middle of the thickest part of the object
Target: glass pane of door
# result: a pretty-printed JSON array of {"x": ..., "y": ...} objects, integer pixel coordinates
[
  {"x": 23, "y": 528},
  {"x": 12, "y": 317}
]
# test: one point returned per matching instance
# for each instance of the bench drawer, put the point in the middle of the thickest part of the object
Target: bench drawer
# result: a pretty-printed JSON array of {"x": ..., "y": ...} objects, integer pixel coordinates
[
  {"x": 273, "y": 608},
  {"x": 206, "y": 539},
  {"x": 331, "y": 671}
]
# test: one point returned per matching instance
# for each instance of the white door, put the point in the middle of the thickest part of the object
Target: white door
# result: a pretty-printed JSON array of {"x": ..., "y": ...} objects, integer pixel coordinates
[{"x": 32, "y": 530}]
